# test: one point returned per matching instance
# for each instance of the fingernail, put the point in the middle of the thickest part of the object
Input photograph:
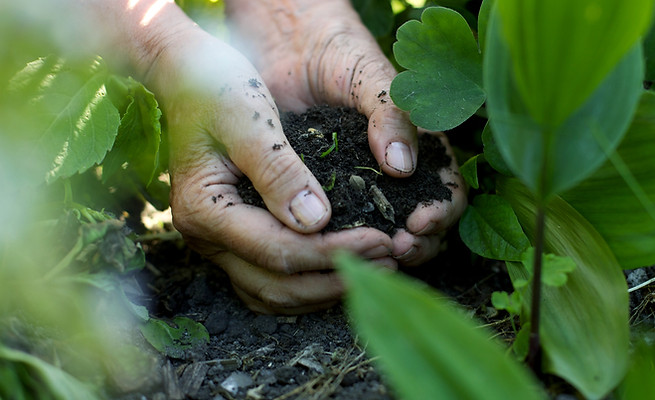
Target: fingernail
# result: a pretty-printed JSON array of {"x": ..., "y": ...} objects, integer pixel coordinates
[
  {"x": 399, "y": 157},
  {"x": 408, "y": 254},
  {"x": 377, "y": 252},
  {"x": 307, "y": 208}
]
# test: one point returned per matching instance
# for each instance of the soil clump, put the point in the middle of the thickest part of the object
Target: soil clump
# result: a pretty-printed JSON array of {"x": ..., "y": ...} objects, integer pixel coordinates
[{"x": 333, "y": 143}]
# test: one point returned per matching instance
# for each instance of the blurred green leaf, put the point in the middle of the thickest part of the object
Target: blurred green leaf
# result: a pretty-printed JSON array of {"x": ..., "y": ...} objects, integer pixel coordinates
[
  {"x": 483, "y": 20},
  {"x": 550, "y": 158},
  {"x": 562, "y": 50},
  {"x": 377, "y": 15},
  {"x": 76, "y": 121},
  {"x": 620, "y": 204},
  {"x": 584, "y": 323},
  {"x": 175, "y": 339},
  {"x": 504, "y": 301},
  {"x": 442, "y": 86},
  {"x": 139, "y": 136},
  {"x": 427, "y": 347},
  {"x": 639, "y": 382},
  {"x": 25, "y": 376},
  {"x": 489, "y": 228}
]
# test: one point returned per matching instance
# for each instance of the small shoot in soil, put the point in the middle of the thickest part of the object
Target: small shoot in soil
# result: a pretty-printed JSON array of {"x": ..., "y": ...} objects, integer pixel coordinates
[
  {"x": 334, "y": 146},
  {"x": 330, "y": 185},
  {"x": 371, "y": 169}
]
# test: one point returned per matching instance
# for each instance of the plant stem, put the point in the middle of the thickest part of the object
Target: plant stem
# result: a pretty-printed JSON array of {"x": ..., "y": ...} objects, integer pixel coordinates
[{"x": 534, "y": 352}]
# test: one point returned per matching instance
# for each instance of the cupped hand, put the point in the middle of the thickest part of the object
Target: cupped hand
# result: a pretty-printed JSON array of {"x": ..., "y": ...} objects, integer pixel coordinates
[
  {"x": 223, "y": 123},
  {"x": 316, "y": 52}
]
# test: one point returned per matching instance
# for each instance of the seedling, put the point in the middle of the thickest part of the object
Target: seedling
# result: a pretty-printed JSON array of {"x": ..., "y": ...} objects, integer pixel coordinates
[
  {"x": 330, "y": 185},
  {"x": 334, "y": 146},
  {"x": 370, "y": 169}
]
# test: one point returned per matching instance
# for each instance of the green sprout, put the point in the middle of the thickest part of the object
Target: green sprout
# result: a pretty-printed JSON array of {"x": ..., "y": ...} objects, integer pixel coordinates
[
  {"x": 370, "y": 169},
  {"x": 330, "y": 185},
  {"x": 334, "y": 146}
]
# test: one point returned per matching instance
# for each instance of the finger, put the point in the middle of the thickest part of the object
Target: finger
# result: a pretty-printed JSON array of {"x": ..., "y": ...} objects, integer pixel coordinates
[
  {"x": 224, "y": 107},
  {"x": 209, "y": 212},
  {"x": 412, "y": 250},
  {"x": 270, "y": 292},
  {"x": 441, "y": 215}
]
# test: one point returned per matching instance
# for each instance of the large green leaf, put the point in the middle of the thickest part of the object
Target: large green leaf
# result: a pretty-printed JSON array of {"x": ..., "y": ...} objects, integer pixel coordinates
[
  {"x": 139, "y": 136},
  {"x": 442, "y": 86},
  {"x": 562, "y": 50},
  {"x": 550, "y": 158},
  {"x": 584, "y": 323},
  {"x": 174, "y": 339},
  {"x": 489, "y": 228},
  {"x": 76, "y": 121},
  {"x": 622, "y": 210},
  {"x": 428, "y": 348}
]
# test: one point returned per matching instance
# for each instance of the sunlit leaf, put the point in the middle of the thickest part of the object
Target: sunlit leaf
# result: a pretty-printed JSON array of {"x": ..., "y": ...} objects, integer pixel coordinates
[
  {"x": 76, "y": 121},
  {"x": 490, "y": 228},
  {"x": 562, "y": 50},
  {"x": 551, "y": 158},
  {"x": 377, "y": 15},
  {"x": 139, "y": 136},
  {"x": 442, "y": 86},
  {"x": 427, "y": 347},
  {"x": 584, "y": 323},
  {"x": 622, "y": 210}
]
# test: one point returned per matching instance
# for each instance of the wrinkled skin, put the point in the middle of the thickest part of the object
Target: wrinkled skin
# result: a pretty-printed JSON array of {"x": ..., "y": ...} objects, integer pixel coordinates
[{"x": 224, "y": 123}]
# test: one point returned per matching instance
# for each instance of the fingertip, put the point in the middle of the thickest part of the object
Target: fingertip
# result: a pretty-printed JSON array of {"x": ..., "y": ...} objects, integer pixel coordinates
[{"x": 310, "y": 211}]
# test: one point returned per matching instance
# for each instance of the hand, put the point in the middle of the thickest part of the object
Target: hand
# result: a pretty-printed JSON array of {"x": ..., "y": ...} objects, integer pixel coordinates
[
  {"x": 223, "y": 122},
  {"x": 314, "y": 52}
]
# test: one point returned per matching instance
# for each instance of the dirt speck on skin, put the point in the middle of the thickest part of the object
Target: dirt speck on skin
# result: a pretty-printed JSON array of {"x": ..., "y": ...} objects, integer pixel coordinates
[{"x": 311, "y": 136}]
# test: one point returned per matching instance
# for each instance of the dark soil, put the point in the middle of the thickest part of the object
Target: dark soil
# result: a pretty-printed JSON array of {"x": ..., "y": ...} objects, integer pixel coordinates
[
  {"x": 313, "y": 356},
  {"x": 349, "y": 171}
]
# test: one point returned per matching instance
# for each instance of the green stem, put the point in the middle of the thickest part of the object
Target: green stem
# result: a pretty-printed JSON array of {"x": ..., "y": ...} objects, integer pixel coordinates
[{"x": 534, "y": 352}]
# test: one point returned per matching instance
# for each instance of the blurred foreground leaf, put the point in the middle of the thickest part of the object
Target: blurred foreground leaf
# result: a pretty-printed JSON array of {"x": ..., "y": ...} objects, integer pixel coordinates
[
  {"x": 619, "y": 198},
  {"x": 23, "y": 376},
  {"x": 428, "y": 348}
]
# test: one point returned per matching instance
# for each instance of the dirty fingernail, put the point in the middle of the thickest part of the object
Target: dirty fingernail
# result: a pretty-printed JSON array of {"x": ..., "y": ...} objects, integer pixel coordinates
[
  {"x": 399, "y": 157},
  {"x": 308, "y": 208}
]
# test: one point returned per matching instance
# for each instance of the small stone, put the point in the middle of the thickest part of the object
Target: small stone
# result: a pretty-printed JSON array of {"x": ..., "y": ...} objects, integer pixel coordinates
[
  {"x": 382, "y": 203},
  {"x": 264, "y": 324},
  {"x": 216, "y": 322},
  {"x": 357, "y": 182},
  {"x": 237, "y": 381}
]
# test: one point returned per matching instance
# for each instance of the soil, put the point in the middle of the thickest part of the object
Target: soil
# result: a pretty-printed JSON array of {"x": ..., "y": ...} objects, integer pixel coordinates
[
  {"x": 358, "y": 192},
  {"x": 312, "y": 356}
]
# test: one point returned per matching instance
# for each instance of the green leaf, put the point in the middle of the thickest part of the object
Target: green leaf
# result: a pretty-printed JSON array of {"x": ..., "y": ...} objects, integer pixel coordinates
[
  {"x": 551, "y": 158},
  {"x": 76, "y": 122},
  {"x": 504, "y": 301},
  {"x": 562, "y": 50},
  {"x": 639, "y": 382},
  {"x": 442, "y": 86},
  {"x": 492, "y": 153},
  {"x": 427, "y": 347},
  {"x": 649, "y": 54},
  {"x": 584, "y": 323},
  {"x": 555, "y": 269},
  {"x": 175, "y": 339},
  {"x": 469, "y": 171},
  {"x": 483, "y": 20},
  {"x": 377, "y": 15},
  {"x": 490, "y": 228},
  {"x": 620, "y": 204},
  {"x": 139, "y": 137},
  {"x": 39, "y": 377}
]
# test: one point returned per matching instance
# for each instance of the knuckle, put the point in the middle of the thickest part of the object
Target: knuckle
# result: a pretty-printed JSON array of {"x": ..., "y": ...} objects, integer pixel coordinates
[{"x": 276, "y": 171}]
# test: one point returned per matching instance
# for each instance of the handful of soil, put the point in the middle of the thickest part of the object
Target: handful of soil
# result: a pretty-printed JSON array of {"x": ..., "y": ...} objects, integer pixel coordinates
[{"x": 333, "y": 143}]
